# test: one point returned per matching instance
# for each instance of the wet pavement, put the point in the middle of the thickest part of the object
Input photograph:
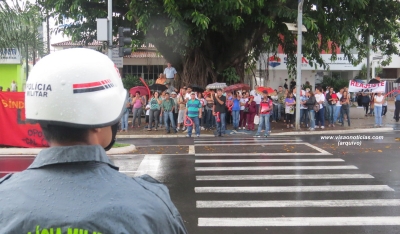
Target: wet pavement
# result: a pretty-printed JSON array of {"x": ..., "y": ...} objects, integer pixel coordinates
[{"x": 280, "y": 184}]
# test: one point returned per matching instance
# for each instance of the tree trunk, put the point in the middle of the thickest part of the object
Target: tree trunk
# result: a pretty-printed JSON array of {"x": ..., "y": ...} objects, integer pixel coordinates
[{"x": 197, "y": 69}]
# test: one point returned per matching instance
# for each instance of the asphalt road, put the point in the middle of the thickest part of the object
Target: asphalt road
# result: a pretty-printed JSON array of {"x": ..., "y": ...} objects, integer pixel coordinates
[{"x": 286, "y": 184}]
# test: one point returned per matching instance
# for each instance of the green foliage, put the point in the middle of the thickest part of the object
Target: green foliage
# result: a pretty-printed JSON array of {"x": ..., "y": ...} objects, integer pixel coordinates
[
  {"x": 19, "y": 22},
  {"x": 130, "y": 81},
  {"x": 306, "y": 85},
  {"x": 230, "y": 76},
  {"x": 336, "y": 83},
  {"x": 202, "y": 38}
]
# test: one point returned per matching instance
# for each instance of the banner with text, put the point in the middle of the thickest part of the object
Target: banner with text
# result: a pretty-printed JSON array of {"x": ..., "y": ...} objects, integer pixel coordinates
[
  {"x": 355, "y": 87},
  {"x": 14, "y": 131}
]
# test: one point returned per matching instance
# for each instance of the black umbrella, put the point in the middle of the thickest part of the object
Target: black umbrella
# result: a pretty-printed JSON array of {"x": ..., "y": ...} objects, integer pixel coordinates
[
  {"x": 374, "y": 81},
  {"x": 196, "y": 88},
  {"x": 158, "y": 87}
]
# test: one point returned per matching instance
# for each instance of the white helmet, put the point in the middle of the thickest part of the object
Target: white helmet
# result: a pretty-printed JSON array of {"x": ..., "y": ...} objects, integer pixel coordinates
[{"x": 77, "y": 88}]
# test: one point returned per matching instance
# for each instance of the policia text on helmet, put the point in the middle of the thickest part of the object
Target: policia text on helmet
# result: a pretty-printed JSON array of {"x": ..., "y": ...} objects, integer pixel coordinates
[{"x": 77, "y": 97}]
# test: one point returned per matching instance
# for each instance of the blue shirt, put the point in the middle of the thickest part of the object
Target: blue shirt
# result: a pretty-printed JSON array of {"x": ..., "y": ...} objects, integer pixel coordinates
[
  {"x": 236, "y": 105},
  {"x": 77, "y": 189},
  {"x": 397, "y": 98},
  {"x": 170, "y": 72},
  {"x": 193, "y": 107}
]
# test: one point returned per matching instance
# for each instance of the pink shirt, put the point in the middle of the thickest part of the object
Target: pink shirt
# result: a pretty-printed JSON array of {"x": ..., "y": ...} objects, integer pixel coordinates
[{"x": 138, "y": 103}]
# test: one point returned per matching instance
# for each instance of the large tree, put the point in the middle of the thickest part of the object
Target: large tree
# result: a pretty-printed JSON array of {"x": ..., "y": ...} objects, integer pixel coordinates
[{"x": 204, "y": 39}]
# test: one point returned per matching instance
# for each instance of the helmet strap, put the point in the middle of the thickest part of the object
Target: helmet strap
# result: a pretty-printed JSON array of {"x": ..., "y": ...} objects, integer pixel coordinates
[{"x": 114, "y": 129}]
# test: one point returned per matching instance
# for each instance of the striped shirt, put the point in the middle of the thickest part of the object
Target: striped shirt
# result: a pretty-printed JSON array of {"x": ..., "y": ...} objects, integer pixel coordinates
[{"x": 193, "y": 107}]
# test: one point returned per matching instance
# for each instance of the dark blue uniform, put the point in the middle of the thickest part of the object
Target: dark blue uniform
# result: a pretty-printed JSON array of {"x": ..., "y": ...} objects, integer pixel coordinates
[{"x": 77, "y": 189}]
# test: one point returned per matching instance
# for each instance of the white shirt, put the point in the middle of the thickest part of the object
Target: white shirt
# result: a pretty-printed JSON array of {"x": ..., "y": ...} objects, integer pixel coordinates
[
  {"x": 320, "y": 97},
  {"x": 257, "y": 97},
  {"x": 378, "y": 99},
  {"x": 339, "y": 96},
  {"x": 148, "y": 109},
  {"x": 13, "y": 87},
  {"x": 243, "y": 100},
  {"x": 170, "y": 72}
]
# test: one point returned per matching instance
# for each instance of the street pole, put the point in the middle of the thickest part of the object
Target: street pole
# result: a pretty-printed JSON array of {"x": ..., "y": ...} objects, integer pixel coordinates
[
  {"x": 368, "y": 58},
  {"x": 299, "y": 60},
  {"x": 110, "y": 38}
]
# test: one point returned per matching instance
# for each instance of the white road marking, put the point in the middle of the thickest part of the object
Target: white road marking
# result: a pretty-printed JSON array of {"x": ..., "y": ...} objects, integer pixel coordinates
[
  {"x": 299, "y": 221},
  {"x": 294, "y": 189},
  {"x": 149, "y": 165},
  {"x": 254, "y": 168},
  {"x": 256, "y": 143},
  {"x": 260, "y": 154},
  {"x": 267, "y": 160},
  {"x": 191, "y": 149},
  {"x": 317, "y": 148},
  {"x": 285, "y": 177},
  {"x": 245, "y": 142},
  {"x": 298, "y": 203}
]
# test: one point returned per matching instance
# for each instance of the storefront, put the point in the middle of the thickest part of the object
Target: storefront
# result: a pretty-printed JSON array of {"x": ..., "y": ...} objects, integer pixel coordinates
[
  {"x": 10, "y": 69},
  {"x": 276, "y": 67}
]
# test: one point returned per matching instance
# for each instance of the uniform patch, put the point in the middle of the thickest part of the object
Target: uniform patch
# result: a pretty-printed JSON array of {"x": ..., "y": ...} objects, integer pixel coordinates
[{"x": 92, "y": 86}]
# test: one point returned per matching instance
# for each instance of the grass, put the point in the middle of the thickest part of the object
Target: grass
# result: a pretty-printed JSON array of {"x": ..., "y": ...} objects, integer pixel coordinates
[{"x": 118, "y": 145}]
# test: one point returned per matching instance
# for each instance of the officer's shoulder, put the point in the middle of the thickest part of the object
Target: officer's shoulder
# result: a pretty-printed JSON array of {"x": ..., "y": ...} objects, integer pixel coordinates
[
  {"x": 158, "y": 189},
  {"x": 6, "y": 177}
]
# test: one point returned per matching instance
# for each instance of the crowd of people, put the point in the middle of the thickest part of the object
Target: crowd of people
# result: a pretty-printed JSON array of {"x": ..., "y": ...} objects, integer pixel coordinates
[{"x": 243, "y": 109}]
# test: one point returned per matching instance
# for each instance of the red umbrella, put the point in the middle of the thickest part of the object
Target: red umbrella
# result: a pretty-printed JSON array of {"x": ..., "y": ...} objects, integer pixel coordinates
[
  {"x": 237, "y": 87},
  {"x": 260, "y": 90},
  {"x": 141, "y": 89}
]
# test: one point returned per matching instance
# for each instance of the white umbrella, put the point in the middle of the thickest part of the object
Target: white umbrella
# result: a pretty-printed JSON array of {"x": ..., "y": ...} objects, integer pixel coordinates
[{"x": 216, "y": 86}]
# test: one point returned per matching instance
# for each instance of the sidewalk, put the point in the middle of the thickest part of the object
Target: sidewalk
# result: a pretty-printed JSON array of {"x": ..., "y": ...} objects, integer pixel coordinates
[{"x": 358, "y": 125}]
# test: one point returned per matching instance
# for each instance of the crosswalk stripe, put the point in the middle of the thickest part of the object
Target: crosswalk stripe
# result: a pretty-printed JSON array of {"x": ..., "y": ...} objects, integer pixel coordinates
[
  {"x": 259, "y": 154},
  {"x": 285, "y": 177},
  {"x": 256, "y": 143},
  {"x": 294, "y": 189},
  {"x": 299, "y": 221},
  {"x": 267, "y": 160},
  {"x": 255, "y": 168},
  {"x": 298, "y": 203},
  {"x": 246, "y": 141}
]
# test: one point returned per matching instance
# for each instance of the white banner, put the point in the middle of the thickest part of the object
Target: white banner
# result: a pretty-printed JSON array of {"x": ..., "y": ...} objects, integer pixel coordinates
[
  {"x": 279, "y": 61},
  {"x": 10, "y": 56},
  {"x": 355, "y": 87}
]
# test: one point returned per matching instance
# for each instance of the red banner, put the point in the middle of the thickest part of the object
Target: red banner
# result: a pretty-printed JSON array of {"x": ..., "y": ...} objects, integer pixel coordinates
[{"x": 14, "y": 131}]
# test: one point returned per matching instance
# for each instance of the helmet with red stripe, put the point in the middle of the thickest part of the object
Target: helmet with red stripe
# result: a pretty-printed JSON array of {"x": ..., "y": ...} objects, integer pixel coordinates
[{"x": 75, "y": 87}]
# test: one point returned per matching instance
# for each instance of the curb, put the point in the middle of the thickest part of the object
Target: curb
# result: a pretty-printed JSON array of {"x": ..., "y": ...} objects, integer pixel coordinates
[
  {"x": 35, "y": 151},
  {"x": 332, "y": 132}
]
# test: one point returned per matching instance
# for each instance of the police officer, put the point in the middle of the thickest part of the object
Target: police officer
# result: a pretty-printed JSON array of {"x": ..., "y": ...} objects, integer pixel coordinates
[{"x": 77, "y": 97}]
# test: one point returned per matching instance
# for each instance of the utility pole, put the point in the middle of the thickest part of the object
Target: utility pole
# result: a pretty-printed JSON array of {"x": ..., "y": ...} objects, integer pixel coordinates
[
  {"x": 368, "y": 58},
  {"x": 110, "y": 38}
]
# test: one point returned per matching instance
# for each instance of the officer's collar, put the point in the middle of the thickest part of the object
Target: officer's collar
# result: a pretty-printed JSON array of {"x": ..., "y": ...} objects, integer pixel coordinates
[{"x": 71, "y": 154}]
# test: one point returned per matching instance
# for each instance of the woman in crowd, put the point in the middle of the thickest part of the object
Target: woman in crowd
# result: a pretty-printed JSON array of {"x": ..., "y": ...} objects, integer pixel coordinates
[
  {"x": 284, "y": 109},
  {"x": 345, "y": 101},
  {"x": 289, "y": 109},
  {"x": 208, "y": 111},
  {"x": 236, "y": 111},
  {"x": 252, "y": 107},
  {"x": 275, "y": 102},
  {"x": 320, "y": 115},
  {"x": 304, "y": 108},
  {"x": 243, "y": 100},
  {"x": 137, "y": 109},
  {"x": 203, "y": 104},
  {"x": 155, "y": 103},
  {"x": 310, "y": 103},
  {"x": 378, "y": 101}
]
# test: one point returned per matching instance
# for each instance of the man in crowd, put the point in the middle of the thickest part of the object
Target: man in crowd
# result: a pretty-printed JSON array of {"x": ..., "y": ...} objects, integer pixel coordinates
[
  {"x": 193, "y": 111},
  {"x": 174, "y": 97},
  {"x": 281, "y": 101},
  {"x": 170, "y": 74},
  {"x": 14, "y": 86},
  {"x": 167, "y": 108},
  {"x": 397, "y": 105},
  {"x": 257, "y": 97},
  {"x": 219, "y": 107}
]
